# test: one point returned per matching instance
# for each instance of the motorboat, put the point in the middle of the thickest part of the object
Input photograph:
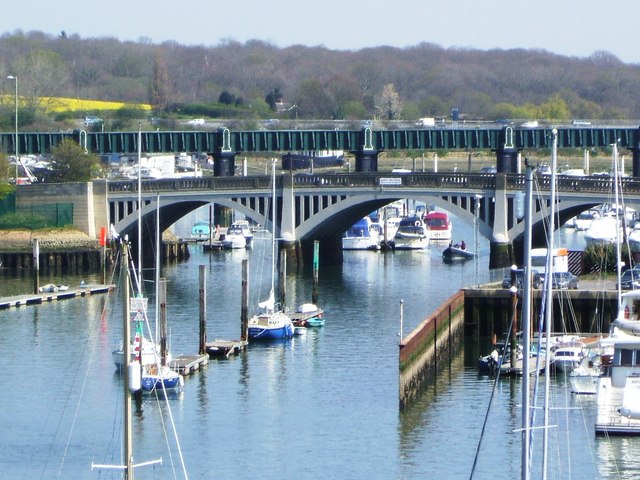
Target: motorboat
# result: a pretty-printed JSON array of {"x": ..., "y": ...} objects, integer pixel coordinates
[
  {"x": 362, "y": 235},
  {"x": 246, "y": 231},
  {"x": 412, "y": 234},
  {"x": 234, "y": 237},
  {"x": 201, "y": 230},
  {"x": 52, "y": 288},
  {"x": 455, "y": 252},
  {"x": 603, "y": 231},
  {"x": 568, "y": 354},
  {"x": 439, "y": 225},
  {"x": 584, "y": 377},
  {"x": 584, "y": 220}
]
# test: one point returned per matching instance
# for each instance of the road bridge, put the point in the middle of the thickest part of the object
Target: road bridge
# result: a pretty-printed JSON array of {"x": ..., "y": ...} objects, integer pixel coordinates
[
  {"x": 323, "y": 206},
  {"x": 223, "y": 144}
]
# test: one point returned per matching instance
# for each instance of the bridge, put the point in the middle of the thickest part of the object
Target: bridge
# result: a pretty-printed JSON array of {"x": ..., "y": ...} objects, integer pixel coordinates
[
  {"x": 223, "y": 144},
  {"x": 322, "y": 207}
]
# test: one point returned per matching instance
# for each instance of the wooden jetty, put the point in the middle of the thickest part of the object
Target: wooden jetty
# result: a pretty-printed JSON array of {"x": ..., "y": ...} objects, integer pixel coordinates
[
  {"x": 224, "y": 348},
  {"x": 300, "y": 319},
  {"x": 188, "y": 364},
  {"x": 37, "y": 298}
]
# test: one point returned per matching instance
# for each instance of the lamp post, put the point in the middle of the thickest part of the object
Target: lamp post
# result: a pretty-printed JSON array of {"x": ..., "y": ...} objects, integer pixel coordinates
[
  {"x": 476, "y": 225},
  {"x": 13, "y": 77}
]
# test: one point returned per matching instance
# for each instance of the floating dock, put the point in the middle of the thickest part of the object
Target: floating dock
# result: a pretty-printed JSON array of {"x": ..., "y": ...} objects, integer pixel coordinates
[
  {"x": 301, "y": 319},
  {"x": 224, "y": 348},
  {"x": 37, "y": 298},
  {"x": 188, "y": 364}
]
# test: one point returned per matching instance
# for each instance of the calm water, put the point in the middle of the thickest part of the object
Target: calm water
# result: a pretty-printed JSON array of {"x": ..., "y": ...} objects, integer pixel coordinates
[{"x": 320, "y": 406}]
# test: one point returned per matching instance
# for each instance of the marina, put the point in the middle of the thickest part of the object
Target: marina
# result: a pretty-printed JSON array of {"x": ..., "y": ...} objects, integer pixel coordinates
[{"x": 334, "y": 371}]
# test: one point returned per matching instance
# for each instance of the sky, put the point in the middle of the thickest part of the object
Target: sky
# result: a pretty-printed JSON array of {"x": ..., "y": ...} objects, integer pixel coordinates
[{"x": 567, "y": 27}]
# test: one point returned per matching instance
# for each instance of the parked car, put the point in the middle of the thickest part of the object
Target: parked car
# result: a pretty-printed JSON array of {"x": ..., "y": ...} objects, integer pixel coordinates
[
  {"x": 564, "y": 280},
  {"x": 536, "y": 280},
  {"x": 630, "y": 279}
]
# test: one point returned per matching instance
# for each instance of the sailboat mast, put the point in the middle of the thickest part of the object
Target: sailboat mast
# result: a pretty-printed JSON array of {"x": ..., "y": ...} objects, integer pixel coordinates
[
  {"x": 140, "y": 206},
  {"x": 616, "y": 196},
  {"x": 126, "y": 315},
  {"x": 525, "y": 469},
  {"x": 157, "y": 276},
  {"x": 549, "y": 302},
  {"x": 273, "y": 226}
]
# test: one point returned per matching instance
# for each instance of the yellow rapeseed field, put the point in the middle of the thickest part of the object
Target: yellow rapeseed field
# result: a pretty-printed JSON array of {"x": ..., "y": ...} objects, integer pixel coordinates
[{"x": 61, "y": 104}]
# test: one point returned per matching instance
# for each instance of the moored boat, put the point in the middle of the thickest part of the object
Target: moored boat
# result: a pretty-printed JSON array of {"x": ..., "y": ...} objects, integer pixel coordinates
[
  {"x": 412, "y": 234},
  {"x": 362, "y": 235},
  {"x": 439, "y": 225},
  {"x": 272, "y": 323}
]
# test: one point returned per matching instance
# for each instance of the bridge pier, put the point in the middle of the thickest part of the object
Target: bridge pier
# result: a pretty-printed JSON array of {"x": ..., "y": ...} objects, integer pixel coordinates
[
  {"x": 501, "y": 249},
  {"x": 224, "y": 164},
  {"x": 507, "y": 160},
  {"x": 366, "y": 161},
  {"x": 635, "y": 161}
]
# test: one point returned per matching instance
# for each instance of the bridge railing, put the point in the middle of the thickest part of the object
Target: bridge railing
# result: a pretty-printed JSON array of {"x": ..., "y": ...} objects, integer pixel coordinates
[
  {"x": 375, "y": 180},
  {"x": 418, "y": 180},
  {"x": 199, "y": 183},
  {"x": 568, "y": 183}
]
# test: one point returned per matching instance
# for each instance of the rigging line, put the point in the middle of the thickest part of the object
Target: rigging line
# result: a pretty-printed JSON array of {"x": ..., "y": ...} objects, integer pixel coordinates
[
  {"x": 493, "y": 391},
  {"x": 88, "y": 364}
]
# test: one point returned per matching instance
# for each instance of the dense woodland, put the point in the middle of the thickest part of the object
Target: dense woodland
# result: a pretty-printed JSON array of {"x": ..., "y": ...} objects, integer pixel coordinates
[{"x": 258, "y": 80}]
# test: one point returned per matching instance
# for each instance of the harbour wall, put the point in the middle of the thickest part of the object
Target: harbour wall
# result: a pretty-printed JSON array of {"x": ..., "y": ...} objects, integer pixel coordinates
[
  {"x": 430, "y": 346},
  {"x": 480, "y": 313}
]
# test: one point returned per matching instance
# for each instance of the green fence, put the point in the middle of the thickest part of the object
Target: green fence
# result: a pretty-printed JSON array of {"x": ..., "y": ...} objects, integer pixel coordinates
[
  {"x": 8, "y": 204},
  {"x": 35, "y": 216}
]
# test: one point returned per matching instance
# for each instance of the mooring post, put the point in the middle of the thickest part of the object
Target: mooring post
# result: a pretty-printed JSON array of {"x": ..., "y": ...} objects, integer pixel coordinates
[
  {"x": 283, "y": 278},
  {"x": 316, "y": 263},
  {"x": 36, "y": 265},
  {"x": 203, "y": 310},
  {"x": 162, "y": 294},
  {"x": 514, "y": 325},
  {"x": 244, "y": 308}
]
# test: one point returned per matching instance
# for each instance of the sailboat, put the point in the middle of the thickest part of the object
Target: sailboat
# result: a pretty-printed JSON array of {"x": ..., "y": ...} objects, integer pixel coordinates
[
  {"x": 131, "y": 378},
  {"x": 272, "y": 323}
]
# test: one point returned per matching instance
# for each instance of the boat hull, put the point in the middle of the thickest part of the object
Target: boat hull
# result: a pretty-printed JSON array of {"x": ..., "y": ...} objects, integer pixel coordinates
[{"x": 271, "y": 333}]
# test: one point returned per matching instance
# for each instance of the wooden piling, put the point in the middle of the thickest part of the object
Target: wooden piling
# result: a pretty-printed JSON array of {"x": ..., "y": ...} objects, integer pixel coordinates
[
  {"x": 244, "y": 308},
  {"x": 203, "y": 310},
  {"x": 162, "y": 296},
  {"x": 36, "y": 265},
  {"x": 316, "y": 262}
]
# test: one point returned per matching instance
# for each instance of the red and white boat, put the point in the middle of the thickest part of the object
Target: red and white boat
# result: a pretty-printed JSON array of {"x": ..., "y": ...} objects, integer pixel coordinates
[{"x": 439, "y": 225}]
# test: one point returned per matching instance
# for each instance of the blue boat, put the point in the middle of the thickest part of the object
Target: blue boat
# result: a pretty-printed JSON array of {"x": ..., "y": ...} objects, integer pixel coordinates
[
  {"x": 163, "y": 378},
  {"x": 272, "y": 323}
]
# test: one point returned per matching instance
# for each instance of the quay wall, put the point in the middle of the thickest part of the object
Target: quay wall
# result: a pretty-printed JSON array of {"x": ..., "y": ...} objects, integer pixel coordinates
[
  {"x": 473, "y": 314},
  {"x": 430, "y": 346},
  {"x": 488, "y": 311}
]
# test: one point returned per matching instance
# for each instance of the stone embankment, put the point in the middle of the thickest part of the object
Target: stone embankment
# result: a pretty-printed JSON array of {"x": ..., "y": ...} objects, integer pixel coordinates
[
  {"x": 21, "y": 241},
  {"x": 63, "y": 251}
]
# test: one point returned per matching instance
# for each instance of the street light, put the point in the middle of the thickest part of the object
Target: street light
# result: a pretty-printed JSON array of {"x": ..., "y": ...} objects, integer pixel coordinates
[
  {"x": 476, "y": 225},
  {"x": 13, "y": 77}
]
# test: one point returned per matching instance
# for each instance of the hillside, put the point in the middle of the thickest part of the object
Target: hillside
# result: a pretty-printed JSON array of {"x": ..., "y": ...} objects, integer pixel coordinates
[{"x": 248, "y": 80}]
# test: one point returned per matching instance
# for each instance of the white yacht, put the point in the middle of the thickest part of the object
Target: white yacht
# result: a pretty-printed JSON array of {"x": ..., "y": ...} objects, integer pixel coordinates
[
  {"x": 412, "y": 234},
  {"x": 618, "y": 388},
  {"x": 362, "y": 235}
]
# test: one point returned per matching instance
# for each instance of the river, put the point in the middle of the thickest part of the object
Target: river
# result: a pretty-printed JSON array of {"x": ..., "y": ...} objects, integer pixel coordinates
[{"x": 320, "y": 406}]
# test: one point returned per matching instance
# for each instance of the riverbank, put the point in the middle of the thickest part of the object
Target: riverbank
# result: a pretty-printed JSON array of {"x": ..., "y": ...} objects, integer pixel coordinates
[{"x": 50, "y": 240}]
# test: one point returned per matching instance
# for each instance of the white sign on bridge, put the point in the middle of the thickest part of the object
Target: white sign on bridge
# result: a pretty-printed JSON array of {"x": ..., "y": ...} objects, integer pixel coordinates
[{"x": 390, "y": 181}]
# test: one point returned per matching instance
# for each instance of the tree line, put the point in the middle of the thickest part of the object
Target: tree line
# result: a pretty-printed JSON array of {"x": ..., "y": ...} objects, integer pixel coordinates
[{"x": 255, "y": 79}]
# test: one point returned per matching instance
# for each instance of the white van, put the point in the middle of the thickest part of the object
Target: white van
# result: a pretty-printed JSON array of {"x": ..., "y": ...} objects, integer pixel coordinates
[{"x": 539, "y": 260}]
